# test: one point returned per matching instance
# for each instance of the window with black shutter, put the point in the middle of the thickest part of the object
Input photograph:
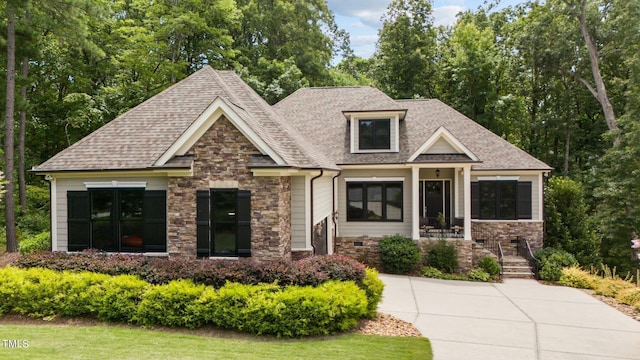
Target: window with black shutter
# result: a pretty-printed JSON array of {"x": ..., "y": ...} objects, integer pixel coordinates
[
  {"x": 223, "y": 222},
  {"x": 117, "y": 220},
  {"x": 501, "y": 200}
]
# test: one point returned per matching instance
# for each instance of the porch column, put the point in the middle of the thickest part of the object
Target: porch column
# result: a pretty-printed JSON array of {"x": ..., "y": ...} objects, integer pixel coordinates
[
  {"x": 415, "y": 203},
  {"x": 467, "y": 202}
]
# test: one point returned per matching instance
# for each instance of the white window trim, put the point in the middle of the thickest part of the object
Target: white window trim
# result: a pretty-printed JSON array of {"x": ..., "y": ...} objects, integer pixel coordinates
[
  {"x": 115, "y": 184},
  {"x": 498, "y": 178},
  {"x": 373, "y": 179},
  {"x": 394, "y": 124}
]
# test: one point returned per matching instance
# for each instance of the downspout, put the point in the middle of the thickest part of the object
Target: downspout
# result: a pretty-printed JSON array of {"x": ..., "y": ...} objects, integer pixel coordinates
[
  {"x": 311, "y": 203},
  {"x": 49, "y": 179},
  {"x": 333, "y": 209}
]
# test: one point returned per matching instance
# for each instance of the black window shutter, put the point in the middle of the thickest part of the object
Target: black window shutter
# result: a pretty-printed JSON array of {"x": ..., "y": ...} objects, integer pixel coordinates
[
  {"x": 154, "y": 213},
  {"x": 524, "y": 200},
  {"x": 244, "y": 223},
  {"x": 78, "y": 220},
  {"x": 475, "y": 200},
  {"x": 203, "y": 232}
]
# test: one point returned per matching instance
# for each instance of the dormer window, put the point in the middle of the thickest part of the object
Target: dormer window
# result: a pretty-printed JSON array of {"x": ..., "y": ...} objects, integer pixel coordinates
[
  {"x": 374, "y": 134},
  {"x": 375, "y": 131}
]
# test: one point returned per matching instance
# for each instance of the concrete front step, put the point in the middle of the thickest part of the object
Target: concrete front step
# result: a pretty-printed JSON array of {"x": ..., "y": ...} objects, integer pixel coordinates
[{"x": 516, "y": 267}]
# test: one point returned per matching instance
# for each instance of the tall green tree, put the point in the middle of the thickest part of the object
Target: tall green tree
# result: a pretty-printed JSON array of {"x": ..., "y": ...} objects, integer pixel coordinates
[
  {"x": 405, "y": 55},
  {"x": 566, "y": 225},
  {"x": 10, "y": 220}
]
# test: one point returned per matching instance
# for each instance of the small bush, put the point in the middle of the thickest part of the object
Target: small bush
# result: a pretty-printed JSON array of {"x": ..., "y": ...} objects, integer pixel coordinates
[
  {"x": 373, "y": 288},
  {"x": 443, "y": 256},
  {"x": 611, "y": 287},
  {"x": 35, "y": 243},
  {"x": 399, "y": 254},
  {"x": 578, "y": 278},
  {"x": 552, "y": 261},
  {"x": 117, "y": 298},
  {"x": 490, "y": 266},
  {"x": 479, "y": 275},
  {"x": 167, "y": 305},
  {"x": 630, "y": 296},
  {"x": 431, "y": 272}
]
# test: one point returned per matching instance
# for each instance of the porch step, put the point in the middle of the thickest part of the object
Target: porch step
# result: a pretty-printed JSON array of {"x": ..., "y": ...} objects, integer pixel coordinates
[{"x": 516, "y": 267}]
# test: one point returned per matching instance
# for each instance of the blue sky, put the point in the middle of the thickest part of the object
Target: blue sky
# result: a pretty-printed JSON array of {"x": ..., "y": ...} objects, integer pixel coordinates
[{"x": 361, "y": 18}]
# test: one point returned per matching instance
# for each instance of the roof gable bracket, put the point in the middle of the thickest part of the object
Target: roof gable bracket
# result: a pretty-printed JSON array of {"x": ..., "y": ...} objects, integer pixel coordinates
[
  {"x": 197, "y": 129},
  {"x": 443, "y": 133}
]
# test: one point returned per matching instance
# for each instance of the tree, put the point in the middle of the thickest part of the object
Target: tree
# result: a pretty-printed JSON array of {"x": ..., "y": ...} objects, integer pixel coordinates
[
  {"x": 566, "y": 225},
  {"x": 10, "y": 221},
  {"x": 406, "y": 50}
]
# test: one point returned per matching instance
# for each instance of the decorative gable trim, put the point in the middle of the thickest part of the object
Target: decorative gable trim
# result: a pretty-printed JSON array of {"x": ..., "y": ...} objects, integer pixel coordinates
[
  {"x": 443, "y": 133},
  {"x": 196, "y": 130}
]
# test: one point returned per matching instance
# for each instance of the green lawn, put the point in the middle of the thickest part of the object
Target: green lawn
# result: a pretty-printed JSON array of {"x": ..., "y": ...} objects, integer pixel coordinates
[{"x": 120, "y": 342}]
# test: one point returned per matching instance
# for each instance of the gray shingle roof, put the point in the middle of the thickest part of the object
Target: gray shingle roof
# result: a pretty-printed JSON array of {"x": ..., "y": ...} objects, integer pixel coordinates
[
  {"x": 317, "y": 113},
  {"x": 136, "y": 139},
  {"x": 308, "y": 129}
]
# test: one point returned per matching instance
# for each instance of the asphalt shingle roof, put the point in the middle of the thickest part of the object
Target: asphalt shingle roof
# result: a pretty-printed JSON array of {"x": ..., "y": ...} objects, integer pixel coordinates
[
  {"x": 308, "y": 129},
  {"x": 136, "y": 139},
  {"x": 317, "y": 113}
]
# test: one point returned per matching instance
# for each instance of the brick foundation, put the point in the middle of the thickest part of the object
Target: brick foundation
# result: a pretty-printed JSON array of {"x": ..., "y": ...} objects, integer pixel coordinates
[
  {"x": 505, "y": 231},
  {"x": 365, "y": 250},
  {"x": 221, "y": 157}
]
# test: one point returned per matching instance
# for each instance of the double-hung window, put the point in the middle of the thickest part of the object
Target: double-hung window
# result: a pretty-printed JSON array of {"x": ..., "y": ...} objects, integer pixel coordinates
[
  {"x": 374, "y": 201},
  {"x": 501, "y": 200}
]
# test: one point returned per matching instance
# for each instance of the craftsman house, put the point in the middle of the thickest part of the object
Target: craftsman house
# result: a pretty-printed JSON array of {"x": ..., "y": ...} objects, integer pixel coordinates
[{"x": 207, "y": 168}]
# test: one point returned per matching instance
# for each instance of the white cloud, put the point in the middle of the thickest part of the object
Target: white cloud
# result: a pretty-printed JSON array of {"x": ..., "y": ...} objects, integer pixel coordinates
[
  {"x": 446, "y": 15},
  {"x": 368, "y": 12}
]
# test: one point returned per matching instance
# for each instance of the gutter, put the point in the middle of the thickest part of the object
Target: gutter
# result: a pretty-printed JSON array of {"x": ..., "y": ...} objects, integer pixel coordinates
[
  {"x": 333, "y": 209},
  {"x": 311, "y": 203}
]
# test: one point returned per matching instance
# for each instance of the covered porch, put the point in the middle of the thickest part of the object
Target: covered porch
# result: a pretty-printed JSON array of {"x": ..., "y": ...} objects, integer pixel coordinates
[{"x": 441, "y": 201}]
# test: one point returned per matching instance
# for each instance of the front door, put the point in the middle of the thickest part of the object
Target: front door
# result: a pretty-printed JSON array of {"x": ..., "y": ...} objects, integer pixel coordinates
[{"x": 435, "y": 199}]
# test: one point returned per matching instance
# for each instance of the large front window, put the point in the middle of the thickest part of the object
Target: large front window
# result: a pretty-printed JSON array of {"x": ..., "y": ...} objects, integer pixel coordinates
[
  {"x": 374, "y": 201},
  {"x": 117, "y": 220},
  {"x": 501, "y": 200},
  {"x": 374, "y": 134}
]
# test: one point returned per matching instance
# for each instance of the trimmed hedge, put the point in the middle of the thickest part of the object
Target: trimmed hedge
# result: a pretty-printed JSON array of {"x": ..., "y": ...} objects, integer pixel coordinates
[
  {"x": 291, "y": 311},
  {"x": 399, "y": 254},
  {"x": 309, "y": 271}
]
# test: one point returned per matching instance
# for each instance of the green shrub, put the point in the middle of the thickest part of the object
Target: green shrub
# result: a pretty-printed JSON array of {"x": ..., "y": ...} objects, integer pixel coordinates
[
  {"x": 167, "y": 305},
  {"x": 552, "y": 261},
  {"x": 578, "y": 278},
  {"x": 117, "y": 297},
  {"x": 611, "y": 287},
  {"x": 479, "y": 275},
  {"x": 630, "y": 296},
  {"x": 490, "y": 266},
  {"x": 373, "y": 288},
  {"x": 291, "y": 311},
  {"x": 431, "y": 272},
  {"x": 443, "y": 256},
  {"x": 35, "y": 243},
  {"x": 399, "y": 254}
]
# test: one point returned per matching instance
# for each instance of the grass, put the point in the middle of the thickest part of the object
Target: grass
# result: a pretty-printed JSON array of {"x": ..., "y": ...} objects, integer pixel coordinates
[{"x": 121, "y": 342}]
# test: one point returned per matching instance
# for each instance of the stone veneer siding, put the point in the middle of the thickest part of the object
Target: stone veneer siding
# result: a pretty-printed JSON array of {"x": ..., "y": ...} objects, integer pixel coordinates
[
  {"x": 222, "y": 155},
  {"x": 505, "y": 231},
  {"x": 369, "y": 254}
]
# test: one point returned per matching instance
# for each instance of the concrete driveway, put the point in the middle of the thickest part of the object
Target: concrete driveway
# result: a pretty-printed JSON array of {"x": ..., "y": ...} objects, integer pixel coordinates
[{"x": 514, "y": 320}]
